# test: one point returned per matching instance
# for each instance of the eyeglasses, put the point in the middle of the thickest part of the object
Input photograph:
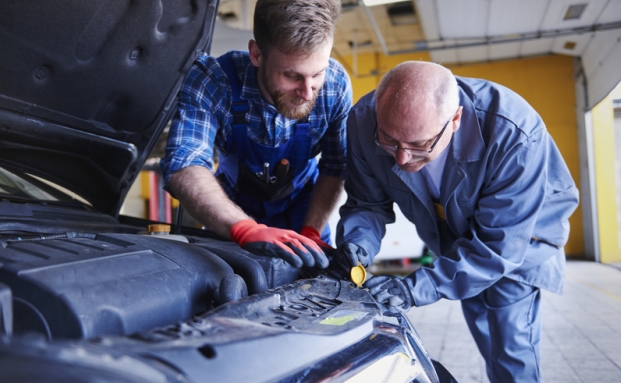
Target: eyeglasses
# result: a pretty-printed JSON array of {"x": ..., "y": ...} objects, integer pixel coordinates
[{"x": 392, "y": 149}]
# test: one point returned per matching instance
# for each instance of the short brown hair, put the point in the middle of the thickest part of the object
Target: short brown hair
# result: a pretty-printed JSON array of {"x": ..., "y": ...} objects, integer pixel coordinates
[{"x": 294, "y": 26}]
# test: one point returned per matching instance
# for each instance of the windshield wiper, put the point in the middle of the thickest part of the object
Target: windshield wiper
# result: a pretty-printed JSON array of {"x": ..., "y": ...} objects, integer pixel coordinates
[{"x": 23, "y": 199}]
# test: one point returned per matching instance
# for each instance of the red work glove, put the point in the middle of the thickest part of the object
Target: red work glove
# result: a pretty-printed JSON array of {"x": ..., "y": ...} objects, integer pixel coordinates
[
  {"x": 288, "y": 245},
  {"x": 312, "y": 233}
]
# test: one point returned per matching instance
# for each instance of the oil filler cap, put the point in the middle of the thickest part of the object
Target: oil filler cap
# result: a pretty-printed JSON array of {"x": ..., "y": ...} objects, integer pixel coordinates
[
  {"x": 358, "y": 275},
  {"x": 159, "y": 229}
]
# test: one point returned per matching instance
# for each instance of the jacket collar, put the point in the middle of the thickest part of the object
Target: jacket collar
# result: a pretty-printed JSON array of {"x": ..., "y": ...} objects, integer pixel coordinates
[{"x": 467, "y": 144}]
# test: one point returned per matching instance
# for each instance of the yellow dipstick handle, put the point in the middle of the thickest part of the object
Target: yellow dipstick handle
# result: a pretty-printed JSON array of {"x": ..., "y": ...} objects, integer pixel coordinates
[{"x": 358, "y": 274}]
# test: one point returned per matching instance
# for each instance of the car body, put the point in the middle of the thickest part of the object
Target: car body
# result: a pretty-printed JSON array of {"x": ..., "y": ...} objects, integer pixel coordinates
[{"x": 88, "y": 295}]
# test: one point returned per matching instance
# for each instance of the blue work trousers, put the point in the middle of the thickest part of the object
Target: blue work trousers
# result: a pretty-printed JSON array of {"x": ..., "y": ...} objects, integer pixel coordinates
[{"x": 505, "y": 322}]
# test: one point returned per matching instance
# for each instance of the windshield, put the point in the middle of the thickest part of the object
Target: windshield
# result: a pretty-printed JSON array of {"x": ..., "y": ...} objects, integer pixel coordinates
[{"x": 25, "y": 186}]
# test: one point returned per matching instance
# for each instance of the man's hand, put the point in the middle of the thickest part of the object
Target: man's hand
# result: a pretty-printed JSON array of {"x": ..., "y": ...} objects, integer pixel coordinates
[
  {"x": 314, "y": 235},
  {"x": 347, "y": 256},
  {"x": 288, "y": 245},
  {"x": 391, "y": 292}
]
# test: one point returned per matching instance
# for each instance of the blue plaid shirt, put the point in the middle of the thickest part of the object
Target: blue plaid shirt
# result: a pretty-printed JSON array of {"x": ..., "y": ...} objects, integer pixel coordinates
[{"x": 203, "y": 119}]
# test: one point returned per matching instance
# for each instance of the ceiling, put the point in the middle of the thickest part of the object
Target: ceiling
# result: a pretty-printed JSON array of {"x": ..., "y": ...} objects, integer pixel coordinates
[{"x": 457, "y": 32}]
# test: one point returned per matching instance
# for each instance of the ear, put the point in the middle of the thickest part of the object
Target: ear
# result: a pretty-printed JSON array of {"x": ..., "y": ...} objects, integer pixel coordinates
[
  {"x": 256, "y": 57},
  {"x": 457, "y": 118}
]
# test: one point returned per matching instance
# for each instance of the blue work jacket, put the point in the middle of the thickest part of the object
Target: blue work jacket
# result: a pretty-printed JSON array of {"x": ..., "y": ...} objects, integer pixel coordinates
[{"x": 506, "y": 196}]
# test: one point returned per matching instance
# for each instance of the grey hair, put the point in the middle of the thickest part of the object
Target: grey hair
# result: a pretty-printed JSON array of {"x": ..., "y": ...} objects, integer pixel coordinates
[
  {"x": 295, "y": 26},
  {"x": 412, "y": 82}
]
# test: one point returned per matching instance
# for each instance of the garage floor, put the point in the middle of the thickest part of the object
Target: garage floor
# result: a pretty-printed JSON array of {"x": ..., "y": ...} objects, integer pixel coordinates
[{"x": 581, "y": 336}]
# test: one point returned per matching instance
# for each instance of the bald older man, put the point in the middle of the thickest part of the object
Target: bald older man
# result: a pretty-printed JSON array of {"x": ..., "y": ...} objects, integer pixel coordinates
[{"x": 472, "y": 165}]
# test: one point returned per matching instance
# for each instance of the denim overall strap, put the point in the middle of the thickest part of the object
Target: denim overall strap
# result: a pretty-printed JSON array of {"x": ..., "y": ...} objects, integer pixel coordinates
[
  {"x": 239, "y": 107},
  {"x": 228, "y": 162}
]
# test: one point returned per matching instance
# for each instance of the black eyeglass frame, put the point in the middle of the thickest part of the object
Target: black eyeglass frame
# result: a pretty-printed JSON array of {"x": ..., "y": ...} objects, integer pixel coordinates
[{"x": 393, "y": 148}]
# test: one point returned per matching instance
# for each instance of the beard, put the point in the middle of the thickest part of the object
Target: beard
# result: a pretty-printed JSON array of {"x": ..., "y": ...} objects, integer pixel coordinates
[
  {"x": 290, "y": 106},
  {"x": 293, "y": 107}
]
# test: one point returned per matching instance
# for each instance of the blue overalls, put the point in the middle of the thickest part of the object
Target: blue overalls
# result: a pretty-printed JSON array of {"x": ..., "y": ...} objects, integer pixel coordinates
[{"x": 255, "y": 176}]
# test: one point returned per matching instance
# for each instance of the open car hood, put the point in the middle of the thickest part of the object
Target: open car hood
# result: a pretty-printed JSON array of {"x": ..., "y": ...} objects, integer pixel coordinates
[{"x": 86, "y": 88}]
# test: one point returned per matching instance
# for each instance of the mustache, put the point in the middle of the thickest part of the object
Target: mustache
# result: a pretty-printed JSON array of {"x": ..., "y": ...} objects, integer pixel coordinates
[{"x": 415, "y": 159}]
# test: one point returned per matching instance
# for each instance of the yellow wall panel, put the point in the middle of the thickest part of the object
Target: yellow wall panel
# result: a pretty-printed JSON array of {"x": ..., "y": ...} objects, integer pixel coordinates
[
  {"x": 545, "y": 82},
  {"x": 604, "y": 153}
]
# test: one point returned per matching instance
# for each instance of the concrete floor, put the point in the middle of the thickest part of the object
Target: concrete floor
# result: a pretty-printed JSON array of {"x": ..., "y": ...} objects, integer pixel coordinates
[{"x": 581, "y": 335}]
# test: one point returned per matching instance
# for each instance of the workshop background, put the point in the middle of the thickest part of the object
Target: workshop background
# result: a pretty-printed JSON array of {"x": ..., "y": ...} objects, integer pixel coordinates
[{"x": 562, "y": 56}]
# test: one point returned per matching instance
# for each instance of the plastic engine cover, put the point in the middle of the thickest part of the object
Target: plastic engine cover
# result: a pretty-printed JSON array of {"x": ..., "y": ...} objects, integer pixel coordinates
[{"x": 113, "y": 284}]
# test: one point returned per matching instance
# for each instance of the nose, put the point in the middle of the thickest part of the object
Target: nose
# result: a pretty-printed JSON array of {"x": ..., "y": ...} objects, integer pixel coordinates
[
  {"x": 305, "y": 91},
  {"x": 402, "y": 157}
]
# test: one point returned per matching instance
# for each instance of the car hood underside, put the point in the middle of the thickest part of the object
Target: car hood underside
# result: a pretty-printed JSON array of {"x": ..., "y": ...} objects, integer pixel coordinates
[{"x": 88, "y": 87}]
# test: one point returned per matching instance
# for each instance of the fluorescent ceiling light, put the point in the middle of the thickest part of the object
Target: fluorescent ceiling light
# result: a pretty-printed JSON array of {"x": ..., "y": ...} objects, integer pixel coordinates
[
  {"x": 370, "y": 3},
  {"x": 574, "y": 12}
]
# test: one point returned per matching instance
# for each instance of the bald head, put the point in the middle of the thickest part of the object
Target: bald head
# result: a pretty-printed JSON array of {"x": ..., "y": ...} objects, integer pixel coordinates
[
  {"x": 416, "y": 87},
  {"x": 417, "y": 105}
]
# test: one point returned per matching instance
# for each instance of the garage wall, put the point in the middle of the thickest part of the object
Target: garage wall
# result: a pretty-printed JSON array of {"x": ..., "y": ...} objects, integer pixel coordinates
[
  {"x": 546, "y": 82},
  {"x": 603, "y": 133}
]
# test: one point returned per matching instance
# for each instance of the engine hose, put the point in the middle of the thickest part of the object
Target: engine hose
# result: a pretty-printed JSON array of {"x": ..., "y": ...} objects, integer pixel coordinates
[
  {"x": 246, "y": 267},
  {"x": 232, "y": 287}
]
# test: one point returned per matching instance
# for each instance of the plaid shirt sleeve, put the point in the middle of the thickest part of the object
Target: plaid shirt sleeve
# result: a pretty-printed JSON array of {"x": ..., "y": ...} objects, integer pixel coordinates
[
  {"x": 333, "y": 161},
  {"x": 201, "y": 105}
]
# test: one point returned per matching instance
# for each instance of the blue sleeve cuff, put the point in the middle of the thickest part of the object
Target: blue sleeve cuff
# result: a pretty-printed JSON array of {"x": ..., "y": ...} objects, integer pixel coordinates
[
  {"x": 186, "y": 155},
  {"x": 424, "y": 291}
]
